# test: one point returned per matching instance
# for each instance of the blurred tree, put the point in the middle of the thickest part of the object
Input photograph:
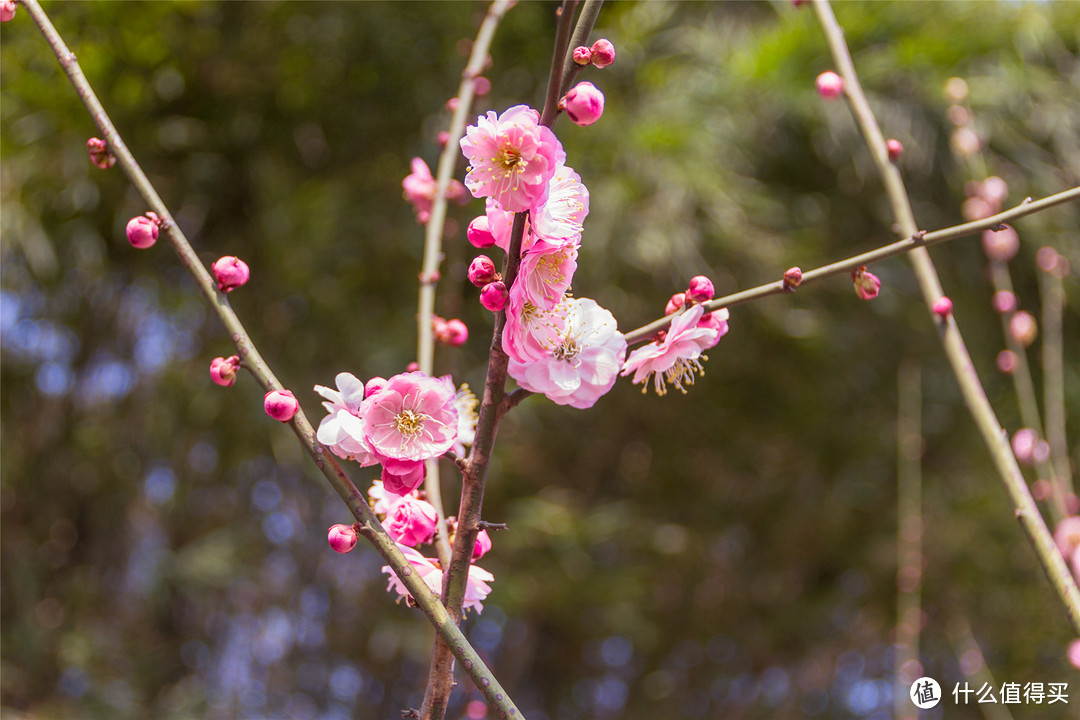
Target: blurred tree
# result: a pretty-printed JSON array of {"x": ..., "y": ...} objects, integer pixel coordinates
[{"x": 725, "y": 554}]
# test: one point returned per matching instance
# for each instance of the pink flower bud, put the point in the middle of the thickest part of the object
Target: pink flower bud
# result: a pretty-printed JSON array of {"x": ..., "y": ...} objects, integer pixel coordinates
[
  {"x": 1004, "y": 301},
  {"x": 223, "y": 370},
  {"x": 675, "y": 304},
  {"x": 456, "y": 333},
  {"x": 894, "y": 148},
  {"x": 1073, "y": 653},
  {"x": 442, "y": 138},
  {"x": 99, "y": 153},
  {"x": 1007, "y": 362},
  {"x": 452, "y": 104},
  {"x": 373, "y": 386},
  {"x": 481, "y": 86},
  {"x": 479, "y": 233},
  {"x": 230, "y": 273},
  {"x": 1001, "y": 245},
  {"x": 1023, "y": 328},
  {"x": 994, "y": 190},
  {"x": 142, "y": 232},
  {"x": 603, "y": 53},
  {"x": 482, "y": 271},
  {"x": 701, "y": 289},
  {"x": 792, "y": 278},
  {"x": 582, "y": 55},
  {"x": 830, "y": 85},
  {"x": 942, "y": 307},
  {"x": 867, "y": 284},
  {"x": 1067, "y": 535},
  {"x": 280, "y": 405},
  {"x": 438, "y": 327},
  {"x": 342, "y": 538},
  {"x": 411, "y": 367},
  {"x": 584, "y": 104},
  {"x": 7, "y": 10},
  {"x": 1026, "y": 446},
  {"x": 1047, "y": 258},
  {"x": 494, "y": 296},
  {"x": 483, "y": 544}
]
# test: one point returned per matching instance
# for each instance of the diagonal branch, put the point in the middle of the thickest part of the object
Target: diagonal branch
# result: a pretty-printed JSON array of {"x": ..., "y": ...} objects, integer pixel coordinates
[{"x": 370, "y": 526}]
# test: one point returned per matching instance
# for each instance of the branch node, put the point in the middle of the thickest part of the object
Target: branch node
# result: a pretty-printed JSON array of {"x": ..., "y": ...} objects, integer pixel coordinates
[{"x": 485, "y": 525}]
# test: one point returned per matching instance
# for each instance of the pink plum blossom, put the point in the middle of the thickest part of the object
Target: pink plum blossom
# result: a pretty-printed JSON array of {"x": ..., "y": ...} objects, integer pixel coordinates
[
  {"x": 675, "y": 304},
  {"x": 343, "y": 430},
  {"x": 412, "y": 418},
  {"x": 560, "y": 217},
  {"x": 545, "y": 272},
  {"x": 281, "y": 405},
  {"x": 531, "y": 333},
  {"x": 1023, "y": 328},
  {"x": 230, "y": 272},
  {"x": 483, "y": 544},
  {"x": 584, "y": 362},
  {"x": 675, "y": 358},
  {"x": 7, "y": 10},
  {"x": 717, "y": 320},
  {"x": 411, "y": 521},
  {"x": 830, "y": 85},
  {"x": 476, "y": 586},
  {"x": 584, "y": 104},
  {"x": 223, "y": 370},
  {"x": 894, "y": 149},
  {"x": 342, "y": 538},
  {"x": 511, "y": 157},
  {"x": 1067, "y": 536},
  {"x": 142, "y": 232},
  {"x": 867, "y": 284},
  {"x": 603, "y": 53}
]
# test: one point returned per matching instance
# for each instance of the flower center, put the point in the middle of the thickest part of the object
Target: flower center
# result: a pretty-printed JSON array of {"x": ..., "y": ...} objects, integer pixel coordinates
[
  {"x": 409, "y": 423},
  {"x": 568, "y": 350}
]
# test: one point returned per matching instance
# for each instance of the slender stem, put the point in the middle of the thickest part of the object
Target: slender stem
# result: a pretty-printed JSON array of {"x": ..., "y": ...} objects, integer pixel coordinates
[
  {"x": 912, "y": 242},
  {"x": 974, "y": 396},
  {"x": 369, "y": 525},
  {"x": 433, "y": 234},
  {"x": 590, "y": 10},
  {"x": 909, "y": 531},
  {"x": 1053, "y": 304}
]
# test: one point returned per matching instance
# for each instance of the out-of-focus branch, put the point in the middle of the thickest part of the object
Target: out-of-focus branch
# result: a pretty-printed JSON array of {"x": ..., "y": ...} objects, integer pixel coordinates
[
  {"x": 970, "y": 387},
  {"x": 909, "y": 532},
  {"x": 369, "y": 525}
]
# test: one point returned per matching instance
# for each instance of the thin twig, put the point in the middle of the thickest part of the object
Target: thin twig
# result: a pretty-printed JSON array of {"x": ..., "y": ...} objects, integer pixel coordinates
[
  {"x": 369, "y": 525},
  {"x": 912, "y": 242},
  {"x": 1027, "y": 512}
]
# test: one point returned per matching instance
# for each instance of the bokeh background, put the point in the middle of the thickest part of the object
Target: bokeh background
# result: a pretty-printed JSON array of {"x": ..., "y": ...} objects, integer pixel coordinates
[{"x": 730, "y": 553}]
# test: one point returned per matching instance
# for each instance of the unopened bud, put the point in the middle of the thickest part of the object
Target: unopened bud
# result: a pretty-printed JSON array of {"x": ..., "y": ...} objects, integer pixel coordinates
[
  {"x": 483, "y": 544},
  {"x": 342, "y": 538},
  {"x": 7, "y": 10},
  {"x": 373, "y": 386},
  {"x": 582, "y": 55},
  {"x": 894, "y": 148},
  {"x": 1007, "y": 362},
  {"x": 975, "y": 208},
  {"x": 442, "y": 138},
  {"x": 456, "y": 333},
  {"x": 479, "y": 233},
  {"x": 603, "y": 53},
  {"x": 867, "y": 284},
  {"x": 830, "y": 85},
  {"x": 1028, "y": 447},
  {"x": 223, "y": 370},
  {"x": 142, "y": 232},
  {"x": 675, "y": 304},
  {"x": 700, "y": 290},
  {"x": 452, "y": 104},
  {"x": 230, "y": 272},
  {"x": 1001, "y": 245},
  {"x": 280, "y": 405},
  {"x": 99, "y": 153},
  {"x": 792, "y": 278},
  {"x": 494, "y": 295},
  {"x": 584, "y": 104},
  {"x": 481, "y": 86},
  {"x": 942, "y": 307},
  {"x": 482, "y": 271},
  {"x": 1004, "y": 301},
  {"x": 1023, "y": 328}
]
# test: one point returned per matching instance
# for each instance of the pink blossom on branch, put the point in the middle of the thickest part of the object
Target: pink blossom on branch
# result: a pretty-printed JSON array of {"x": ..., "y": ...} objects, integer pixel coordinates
[
  {"x": 584, "y": 362},
  {"x": 561, "y": 215},
  {"x": 412, "y": 418},
  {"x": 230, "y": 272},
  {"x": 867, "y": 284},
  {"x": 223, "y": 370},
  {"x": 281, "y": 405},
  {"x": 419, "y": 189},
  {"x": 584, "y": 104},
  {"x": 476, "y": 587},
  {"x": 530, "y": 333},
  {"x": 511, "y": 157},
  {"x": 545, "y": 273},
  {"x": 342, "y": 538},
  {"x": 342, "y": 430},
  {"x": 411, "y": 521},
  {"x": 677, "y": 356}
]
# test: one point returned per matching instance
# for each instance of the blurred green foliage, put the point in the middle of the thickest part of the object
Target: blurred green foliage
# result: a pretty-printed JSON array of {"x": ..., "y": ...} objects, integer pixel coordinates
[{"x": 730, "y": 553}]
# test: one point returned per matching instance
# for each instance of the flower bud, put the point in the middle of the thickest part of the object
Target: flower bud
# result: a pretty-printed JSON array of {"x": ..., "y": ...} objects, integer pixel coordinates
[
  {"x": 701, "y": 289},
  {"x": 342, "y": 538},
  {"x": 482, "y": 271},
  {"x": 1023, "y": 328},
  {"x": 584, "y": 104},
  {"x": 1047, "y": 258},
  {"x": 483, "y": 544},
  {"x": 830, "y": 85},
  {"x": 582, "y": 55},
  {"x": 479, "y": 233},
  {"x": 230, "y": 273},
  {"x": 99, "y": 153},
  {"x": 494, "y": 296},
  {"x": 792, "y": 278},
  {"x": 675, "y": 304},
  {"x": 223, "y": 370},
  {"x": 1028, "y": 448},
  {"x": 456, "y": 333},
  {"x": 7, "y": 10},
  {"x": 1007, "y": 362},
  {"x": 603, "y": 53},
  {"x": 280, "y": 405},
  {"x": 373, "y": 386},
  {"x": 942, "y": 307},
  {"x": 1004, "y": 301},
  {"x": 867, "y": 284},
  {"x": 442, "y": 138},
  {"x": 412, "y": 367},
  {"x": 142, "y": 232},
  {"x": 452, "y": 104},
  {"x": 481, "y": 86},
  {"x": 894, "y": 148}
]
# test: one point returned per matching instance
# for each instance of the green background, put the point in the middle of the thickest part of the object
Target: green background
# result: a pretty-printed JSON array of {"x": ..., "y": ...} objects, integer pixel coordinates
[{"x": 730, "y": 553}]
